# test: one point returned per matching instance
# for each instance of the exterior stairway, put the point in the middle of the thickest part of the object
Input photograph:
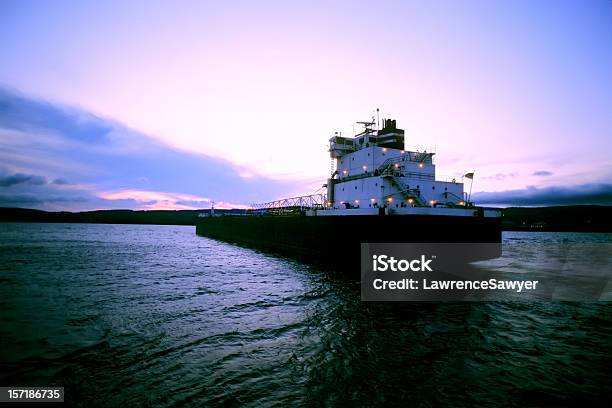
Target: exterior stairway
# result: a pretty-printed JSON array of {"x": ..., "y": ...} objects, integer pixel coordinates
[
  {"x": 407, "y": 193},
  {"x": 387, "y": 165}
]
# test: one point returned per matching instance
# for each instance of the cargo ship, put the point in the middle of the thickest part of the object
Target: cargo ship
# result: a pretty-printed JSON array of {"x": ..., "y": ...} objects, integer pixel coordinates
[{"x": 377, "y": 192}]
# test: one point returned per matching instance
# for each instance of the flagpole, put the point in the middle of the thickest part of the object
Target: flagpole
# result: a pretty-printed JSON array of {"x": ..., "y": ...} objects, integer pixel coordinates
[{"x": 471, "y": 183}]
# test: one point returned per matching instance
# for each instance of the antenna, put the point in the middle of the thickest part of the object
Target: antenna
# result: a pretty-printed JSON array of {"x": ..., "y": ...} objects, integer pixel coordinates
[
  {"x": 367, "y": 126},
  {"x": 377, "y": 119}
]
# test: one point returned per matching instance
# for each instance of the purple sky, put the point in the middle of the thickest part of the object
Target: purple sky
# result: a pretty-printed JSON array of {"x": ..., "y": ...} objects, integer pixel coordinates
[{"x": 175, "y": 104}]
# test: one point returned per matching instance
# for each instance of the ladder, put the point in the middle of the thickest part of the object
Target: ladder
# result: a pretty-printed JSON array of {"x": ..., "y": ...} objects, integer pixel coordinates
[{"x": 407, "y": 193}]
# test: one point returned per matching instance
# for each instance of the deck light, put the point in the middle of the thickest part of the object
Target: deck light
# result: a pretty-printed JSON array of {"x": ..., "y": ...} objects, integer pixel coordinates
[
  {"x": 461, "y": 203},
  {"x": 432, "y": 202},
  {"x": 390, "y": 199},
  {"x": 421, "y": 165},
  {"x": 356, "y": 201},
  {"x": 365, "y": 168},
  {"x": 410, "y": 201},
  {"x": 372, "y": 199}
]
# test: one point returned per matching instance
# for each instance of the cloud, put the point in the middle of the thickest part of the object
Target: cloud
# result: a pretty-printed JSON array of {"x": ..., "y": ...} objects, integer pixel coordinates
[
  {"x": 571, "y": 195},
  {"x": 19, "y": 112},
  {"x": 99, "y": 156},
  {"x": 542, "y": 173},
  {"x": 156, "y": 200},
  {"x": 501, "y": 176},
  {"x": 19, "y": 200},
  {"x": 60, "y": 181},
  {"x": 21, "y": 178}
]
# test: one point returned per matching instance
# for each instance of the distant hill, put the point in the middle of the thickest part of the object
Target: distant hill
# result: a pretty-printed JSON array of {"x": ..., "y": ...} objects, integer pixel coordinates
[
  {"x": 160, "y": 217},
  {"x": 595, "y": 218},
  {"x": 568, "y": 218}
]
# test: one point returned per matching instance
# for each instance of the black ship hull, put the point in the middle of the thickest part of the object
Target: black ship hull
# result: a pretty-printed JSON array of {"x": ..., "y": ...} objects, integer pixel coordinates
[{"x": 336, "y": 240}]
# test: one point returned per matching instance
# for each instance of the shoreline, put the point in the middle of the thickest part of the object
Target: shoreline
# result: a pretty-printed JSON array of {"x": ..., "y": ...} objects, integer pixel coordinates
[{"x": 582, "y": 218}]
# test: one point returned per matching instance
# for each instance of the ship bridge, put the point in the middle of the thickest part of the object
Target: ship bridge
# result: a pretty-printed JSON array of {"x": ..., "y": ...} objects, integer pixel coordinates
[{"x": 388, "y": 137}]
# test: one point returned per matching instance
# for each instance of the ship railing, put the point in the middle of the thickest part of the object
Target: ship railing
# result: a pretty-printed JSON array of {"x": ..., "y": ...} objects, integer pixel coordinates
[
  {"x": 449, "y": 179},
  {"x": 410, "y": 174},
  {"x": 462, "y": 201},
  {"x": 393, "y": 163},
  {"x": 291, "y": 204},
  {"x": 397, "y": 173},
  {"x": 401, "y": 173}
]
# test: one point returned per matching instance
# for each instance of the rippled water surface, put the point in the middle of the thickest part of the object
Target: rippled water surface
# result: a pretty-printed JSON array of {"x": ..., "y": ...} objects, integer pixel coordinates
[{"x": 126, "y": 315}]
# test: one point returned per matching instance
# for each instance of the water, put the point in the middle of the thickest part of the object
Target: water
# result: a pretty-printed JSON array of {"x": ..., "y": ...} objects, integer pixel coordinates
[{"x": 156, "y": 316}]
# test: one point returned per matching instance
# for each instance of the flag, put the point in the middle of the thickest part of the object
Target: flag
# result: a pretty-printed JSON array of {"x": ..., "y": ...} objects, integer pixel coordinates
[{"x": 469, "y": 175}]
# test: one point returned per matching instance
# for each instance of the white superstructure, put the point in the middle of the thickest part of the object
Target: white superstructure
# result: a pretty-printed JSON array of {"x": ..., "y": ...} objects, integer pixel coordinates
[{"x": 374, "y": 171}]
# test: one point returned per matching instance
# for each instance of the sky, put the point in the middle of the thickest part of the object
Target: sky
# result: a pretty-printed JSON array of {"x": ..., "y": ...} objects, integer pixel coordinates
[{"x": 171, "y": 105}]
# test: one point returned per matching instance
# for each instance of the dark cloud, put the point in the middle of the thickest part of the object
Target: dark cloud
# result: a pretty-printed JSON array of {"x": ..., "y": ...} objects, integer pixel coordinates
[
  {"x": 573, "y": 195},
  {"x": 21, "y": 178},
  {"x": 60, "y": 181},
  {"x": 542, "y": 173},
  {"x": 15, "y": 200},
  {"x": 19, "y": 112}
]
